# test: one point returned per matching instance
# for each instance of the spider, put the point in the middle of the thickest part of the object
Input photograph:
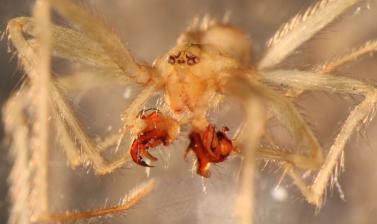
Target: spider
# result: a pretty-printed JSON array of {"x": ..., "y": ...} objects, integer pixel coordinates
[{"x": 210, "y": 61}]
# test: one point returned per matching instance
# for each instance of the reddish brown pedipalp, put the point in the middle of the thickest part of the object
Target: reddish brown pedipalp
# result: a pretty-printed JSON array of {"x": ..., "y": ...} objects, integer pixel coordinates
[
  {"x": 210, "y": 146},
  {"x": 159, "y": 130}
]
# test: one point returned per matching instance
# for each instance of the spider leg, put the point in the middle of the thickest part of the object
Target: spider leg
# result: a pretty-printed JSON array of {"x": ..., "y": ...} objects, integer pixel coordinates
[
  {"x": 300, "y": 28},
  {"x": 21, "y": 175},
  {"x": 128, "y": 202},
  {"x": 66, "y": 123},
  {"x": 132, "y": 125},
  {"x": 69, "y": 44},
  {"x": 90, "y": 151},
  {"x": 66, "y": 142},
  {"x": 104, "y": 37},
  {"x": 16, "y": 125},
  {"x": 359, "y": 115},
  {"x": 285, "y": 156},
  {"x": 31, "y": 140},
  {"x": 331, "y": 65},
  {"x": 287, "y": 161},
  {"x": 354, "y": 54},
  {"x": 92, "y": 80},
  {"x": 71, "y": 127},
  {"x": 74, "y": 46},
  {"x": 249, "y": 140},
  {"x": 286, "y": 113}
]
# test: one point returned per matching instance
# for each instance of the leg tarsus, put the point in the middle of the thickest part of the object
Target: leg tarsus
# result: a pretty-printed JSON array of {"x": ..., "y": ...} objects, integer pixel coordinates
[
  {"x": 289, "y": 161},
  {"x": 311, "y": 196},
  {"x": 130, "y": 200}
]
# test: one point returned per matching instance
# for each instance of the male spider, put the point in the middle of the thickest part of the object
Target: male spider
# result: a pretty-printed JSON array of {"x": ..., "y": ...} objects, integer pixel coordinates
[{"x": 210, "y": 61}]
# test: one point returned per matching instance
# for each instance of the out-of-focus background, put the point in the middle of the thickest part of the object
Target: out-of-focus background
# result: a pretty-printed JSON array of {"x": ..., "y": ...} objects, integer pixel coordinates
[
  {"x": 150, "y": 27},
  {"x": 9, "y": 77}
]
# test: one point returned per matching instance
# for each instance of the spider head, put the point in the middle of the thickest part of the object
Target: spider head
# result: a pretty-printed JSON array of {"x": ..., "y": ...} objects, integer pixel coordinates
[
  {"x": 206, "y": 52},
  {"x": 198, "y": 59}
]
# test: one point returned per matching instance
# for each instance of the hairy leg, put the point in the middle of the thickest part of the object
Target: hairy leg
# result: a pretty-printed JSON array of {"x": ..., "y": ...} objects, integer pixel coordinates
[
  {"x": 26, "y": 52},
  {"x": 126, "y": 203},
  {"x": 329, "y": 66},
  {"x": 104, "y": 37},
  {"x": 287, "y": 114},
  {"x": 316, "y": 81},
  {"x": 21, "y": 175},
  {"x": 301, "y": 28},
  {"x": 353, "y": 55},
  {"x": 36, "y": 62},
  {"x": 73, "y": 46},
  {"x": 39, "y": 78},
  {"x": 91, "y": 150},
  {"x": 249, "y": 140}
]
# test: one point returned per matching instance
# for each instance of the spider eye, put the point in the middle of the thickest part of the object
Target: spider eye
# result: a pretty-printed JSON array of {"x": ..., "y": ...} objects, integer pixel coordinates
[
  {"x": 183, "y": 57},
  {"x": 171, "y": 60},
  {"x": 176, "y": 58},
  {"x": 191, "y": 58}
]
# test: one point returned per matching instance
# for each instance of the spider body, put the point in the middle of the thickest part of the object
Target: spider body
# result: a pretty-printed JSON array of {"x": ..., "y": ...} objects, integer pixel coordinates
[{"x": 192, "y": 74}]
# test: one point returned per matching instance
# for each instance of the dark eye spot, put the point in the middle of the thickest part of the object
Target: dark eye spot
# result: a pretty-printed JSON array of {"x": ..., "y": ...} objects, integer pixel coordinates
[
  {"x": 191, "y": 61},
  {"x": 171, "y": 60},
  {"x": 191, "y": 58}
]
